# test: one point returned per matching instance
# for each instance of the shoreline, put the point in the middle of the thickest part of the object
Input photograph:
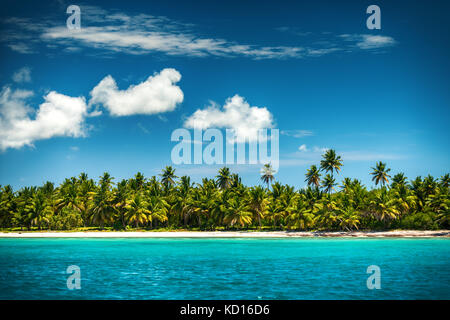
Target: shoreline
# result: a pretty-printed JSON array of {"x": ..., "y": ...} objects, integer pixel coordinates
[{"x": 231, "y": 234}]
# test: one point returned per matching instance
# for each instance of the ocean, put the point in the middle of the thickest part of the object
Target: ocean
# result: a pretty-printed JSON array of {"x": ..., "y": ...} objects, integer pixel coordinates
[{"x": 215, "y": 268}]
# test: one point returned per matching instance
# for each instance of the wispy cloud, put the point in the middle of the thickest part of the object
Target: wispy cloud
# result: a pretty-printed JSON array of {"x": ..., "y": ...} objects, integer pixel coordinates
[
  {"x": 22, "y": 75},
  {"x": 144, "y": 129},
  {"x": 113, "y": 31},
  {"x": 368, "y": 41},
  {"x": 296, "y": 133}
]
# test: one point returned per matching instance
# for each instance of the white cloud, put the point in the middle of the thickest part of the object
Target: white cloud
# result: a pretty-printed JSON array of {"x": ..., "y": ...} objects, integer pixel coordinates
[
  {"x": 112, "y": 31},
  {"x": 59, "y": 115},
  {"x": 74, "y": 148},
  {"x": 22, "y": 75},
  {"x": 297, "y": 133},
  {"x": 20, "y": 47},
  {"x": 303, "y": 148},
  {"x": 236, "y": 114},
  {"x": 172, "y": 42},
  {"x": 374, "y": 42},
  {"x": 155, "y": 95},
  {"x": 368, "y": 41}
]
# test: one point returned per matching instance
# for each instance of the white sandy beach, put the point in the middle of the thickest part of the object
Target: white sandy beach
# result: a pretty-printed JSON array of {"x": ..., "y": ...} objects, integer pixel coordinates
[{"x": 225, "y": 234}]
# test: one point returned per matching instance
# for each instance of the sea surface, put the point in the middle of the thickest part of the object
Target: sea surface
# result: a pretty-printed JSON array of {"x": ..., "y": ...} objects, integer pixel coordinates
[{"x": 224, "y": 268}]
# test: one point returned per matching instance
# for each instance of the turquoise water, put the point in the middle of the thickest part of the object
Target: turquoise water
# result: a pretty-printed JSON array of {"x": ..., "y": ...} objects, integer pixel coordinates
[{"x": 224, "y": 268}]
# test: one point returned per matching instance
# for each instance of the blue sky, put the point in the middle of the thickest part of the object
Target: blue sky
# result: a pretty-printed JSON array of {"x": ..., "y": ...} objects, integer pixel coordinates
[{"x": 325, "y": 79}]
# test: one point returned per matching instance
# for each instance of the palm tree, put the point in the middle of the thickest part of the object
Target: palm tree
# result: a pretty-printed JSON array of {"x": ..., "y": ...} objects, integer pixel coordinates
[
  {"x": 8, "y": 205},
  {"x": 383, "y": 207},
  {"x": 267, "y": 174},
  {"x": 158, "y": 209},
  {"x": 137, "y": 184},
  {"x": 331, "y": 162},
  {"x": 258, "y": 203},
  {"x": 347, "y": 184},
  {"x": 301, "y": 216},
  {"x": 313, "y": 176},
  {"x": 224, "y": 178},
  {"x": 380, "y": 174},
  {"x": 37, "y": 210},
  {"x": 227, "y": 202},
  {"x": 182, "y": 203},
  {"x": 349, "y": 219},
  {"x": 121, "y": 195},
  {"x": 168, "y": 177},
  {"x": 85, "y": 191},
  {"x": 136, "y": 210},
  {"x": 328, "y": 183},
  {"x": 237, "y": 213},
  {"x": 106, "y": 181},
  {"x": 102, "y": 207},
  {"x": 445, "y": 181},
  {"x": 399, "y": 180}
]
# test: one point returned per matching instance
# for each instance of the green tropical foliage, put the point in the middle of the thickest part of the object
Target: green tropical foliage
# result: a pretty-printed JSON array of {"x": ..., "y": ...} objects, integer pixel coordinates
[{"x": 225, "y": 203}]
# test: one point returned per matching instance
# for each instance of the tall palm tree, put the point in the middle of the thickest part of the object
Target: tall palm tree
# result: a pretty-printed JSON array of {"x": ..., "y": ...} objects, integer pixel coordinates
[
  {"x": 380, "y": 173},
  {"x": 137, "y": 183},
  {"x": 106, "y": 181},
  {"x": 313, "y": 176},
  {"x": 331, "y": 162},
  {"x": 267, "y": 174},
  {"x": 224, "y": 178},
  {"x": 168, "y": 177}
]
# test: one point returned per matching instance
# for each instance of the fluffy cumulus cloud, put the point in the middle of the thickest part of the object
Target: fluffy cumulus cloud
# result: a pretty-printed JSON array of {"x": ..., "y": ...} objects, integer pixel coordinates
[
  {"x": 158, "y": 94},
  {"x": 236, "y": 114},
  {"x": 20, "y": 125},
  {"x": 64, "y": 116}
]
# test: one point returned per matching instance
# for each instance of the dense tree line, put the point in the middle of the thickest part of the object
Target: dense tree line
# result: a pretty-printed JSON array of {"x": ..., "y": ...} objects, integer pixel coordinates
[{"x": 225, "y": 203}]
